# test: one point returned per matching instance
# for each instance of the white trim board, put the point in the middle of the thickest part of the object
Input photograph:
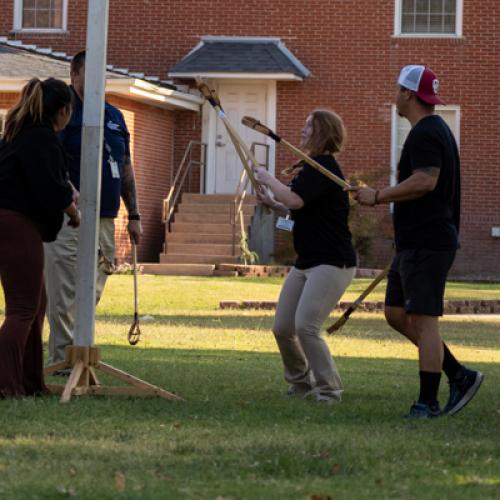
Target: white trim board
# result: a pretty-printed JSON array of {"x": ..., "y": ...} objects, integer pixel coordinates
[{"x": 239, "y": 76}]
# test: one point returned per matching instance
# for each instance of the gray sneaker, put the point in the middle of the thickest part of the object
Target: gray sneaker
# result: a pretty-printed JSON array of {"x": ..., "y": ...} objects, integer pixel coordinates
[{"x": 324, "y": 399}]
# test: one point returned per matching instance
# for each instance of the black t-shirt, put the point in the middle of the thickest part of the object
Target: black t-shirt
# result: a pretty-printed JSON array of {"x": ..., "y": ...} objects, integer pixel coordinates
[
  {"x": 321, "y": 234},
  {"x": 33, "y": 178},
  {"x": 431, "y": 222}
]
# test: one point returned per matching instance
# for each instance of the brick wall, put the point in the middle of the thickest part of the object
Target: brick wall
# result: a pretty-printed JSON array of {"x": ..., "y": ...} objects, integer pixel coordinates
[{"x": 354, "y": 60}]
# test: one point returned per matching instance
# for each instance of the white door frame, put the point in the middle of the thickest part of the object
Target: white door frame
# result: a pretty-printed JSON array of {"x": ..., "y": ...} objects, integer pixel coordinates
[{"x": 209, "y": 127}]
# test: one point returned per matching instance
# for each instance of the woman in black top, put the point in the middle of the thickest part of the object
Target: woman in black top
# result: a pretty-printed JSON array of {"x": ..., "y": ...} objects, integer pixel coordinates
[
  {"x": 34, "y": 193},
  {"x": 326, "y": 261}
]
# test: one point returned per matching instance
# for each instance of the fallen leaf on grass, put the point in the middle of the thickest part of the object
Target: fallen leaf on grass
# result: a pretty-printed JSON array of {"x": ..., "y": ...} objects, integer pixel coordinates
[
  {"x": 120, "y": 481},
  {"x": 177, "y": 425},
  {"x": 72, "y": 471},
  {"x": 321, "y": 497},
  {"x": 335, "y": 470}
]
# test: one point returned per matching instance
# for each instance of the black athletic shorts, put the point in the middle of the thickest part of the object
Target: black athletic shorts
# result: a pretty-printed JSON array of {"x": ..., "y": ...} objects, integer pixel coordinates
[{"x": 417, "y": 279}]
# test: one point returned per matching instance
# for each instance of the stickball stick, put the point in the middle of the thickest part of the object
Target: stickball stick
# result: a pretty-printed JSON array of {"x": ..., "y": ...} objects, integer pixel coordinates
[{"x": 343, "y": 319}]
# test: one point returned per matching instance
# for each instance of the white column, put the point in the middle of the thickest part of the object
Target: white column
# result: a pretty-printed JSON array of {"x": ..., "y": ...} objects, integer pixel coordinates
[{"x": 90, "y": 170}]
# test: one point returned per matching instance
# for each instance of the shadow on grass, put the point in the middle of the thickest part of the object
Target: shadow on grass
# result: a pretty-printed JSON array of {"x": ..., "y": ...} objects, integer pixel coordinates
[
  {"x": 232, "y": 387},
  {"x": 481, "y": 334}
]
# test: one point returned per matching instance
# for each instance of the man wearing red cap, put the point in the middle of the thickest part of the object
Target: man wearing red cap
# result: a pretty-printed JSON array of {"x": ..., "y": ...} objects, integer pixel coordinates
[{"x": 426, "y": 225}]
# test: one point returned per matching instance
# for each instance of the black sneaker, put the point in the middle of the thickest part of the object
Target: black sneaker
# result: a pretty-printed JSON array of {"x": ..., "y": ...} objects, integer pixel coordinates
[
  {"x": 462, "y": 390},
  {"x": 424, "y": 410}
]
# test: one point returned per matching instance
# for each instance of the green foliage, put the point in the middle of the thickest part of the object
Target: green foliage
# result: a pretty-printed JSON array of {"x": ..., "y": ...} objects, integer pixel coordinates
[
  {"x": 247, "y": 255},
  {"x": 366, "y": 224}
]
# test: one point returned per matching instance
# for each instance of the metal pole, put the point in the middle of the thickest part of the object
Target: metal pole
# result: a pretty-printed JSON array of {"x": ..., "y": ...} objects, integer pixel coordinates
[{"x": 90, "y": 170}]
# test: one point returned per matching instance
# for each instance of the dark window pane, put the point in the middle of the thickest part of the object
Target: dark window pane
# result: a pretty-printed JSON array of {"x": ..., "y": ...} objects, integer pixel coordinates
[
  {"x": 57, "y": 4},
  {"x": 450, "y": 6},
  {"x": 28, "y": 18},
  {"x": 42, "y": 19},
  {"x": 422, "y": 23},
  {"x": 449, "y": 23},
  {"x": 422, "y": 6},
  {"x": 436, "y": 7},
  {"x": 436, "y": 24},
  {"x": 408, "y": 23},
  {"x": 43, "y": 4},
  {"x": 56, "y": 19},
  {"x": 408, "y": 6}
]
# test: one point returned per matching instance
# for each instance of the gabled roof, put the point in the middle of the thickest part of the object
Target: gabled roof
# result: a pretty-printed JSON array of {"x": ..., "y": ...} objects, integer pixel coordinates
[
  {"x": 222, "y": 56},
  {"x": 19, "y": 63}
]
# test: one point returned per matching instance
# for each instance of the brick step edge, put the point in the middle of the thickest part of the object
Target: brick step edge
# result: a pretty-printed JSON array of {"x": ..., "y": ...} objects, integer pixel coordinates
[{"x": 450, "y": 306}]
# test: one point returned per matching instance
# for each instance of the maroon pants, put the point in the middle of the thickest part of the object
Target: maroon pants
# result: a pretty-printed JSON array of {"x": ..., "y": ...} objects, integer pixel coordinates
[{"x": 21, "y": 273}]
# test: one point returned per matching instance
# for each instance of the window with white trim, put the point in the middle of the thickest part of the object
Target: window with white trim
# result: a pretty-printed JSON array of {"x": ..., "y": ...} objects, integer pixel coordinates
[
  {"x": 3, "y": 115},
  {"x": 401, "y": 127},
  {"x": 414, "y": 18},
  {"x": 40, "y": 15}
]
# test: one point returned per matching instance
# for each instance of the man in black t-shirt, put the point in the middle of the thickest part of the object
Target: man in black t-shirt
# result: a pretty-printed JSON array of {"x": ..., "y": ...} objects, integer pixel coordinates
[{"x": 426, "y": 227}]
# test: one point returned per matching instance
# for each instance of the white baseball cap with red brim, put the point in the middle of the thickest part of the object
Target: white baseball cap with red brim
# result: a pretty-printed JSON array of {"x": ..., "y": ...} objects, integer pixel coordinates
[{"x": 421, "y": 80}]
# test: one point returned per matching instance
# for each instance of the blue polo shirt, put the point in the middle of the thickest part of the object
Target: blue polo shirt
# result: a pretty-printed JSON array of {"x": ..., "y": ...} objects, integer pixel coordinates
[{"x": 116, "y": 149}]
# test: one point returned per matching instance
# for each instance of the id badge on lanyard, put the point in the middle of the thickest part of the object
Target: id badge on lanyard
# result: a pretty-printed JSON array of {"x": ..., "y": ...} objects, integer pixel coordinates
[
  {"x": 113, "y": 164},
  {"x": 285, "y": 223}
]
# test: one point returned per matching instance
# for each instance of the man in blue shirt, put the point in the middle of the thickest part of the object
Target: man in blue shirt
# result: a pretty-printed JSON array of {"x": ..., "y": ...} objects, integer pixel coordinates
[{"x": 118, "y": 181}]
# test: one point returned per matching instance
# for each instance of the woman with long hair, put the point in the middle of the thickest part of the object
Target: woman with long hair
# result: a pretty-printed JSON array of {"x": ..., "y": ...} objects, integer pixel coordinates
[
  {"x": 34, "y": 194},
  {"x": 315, "y": 209}
]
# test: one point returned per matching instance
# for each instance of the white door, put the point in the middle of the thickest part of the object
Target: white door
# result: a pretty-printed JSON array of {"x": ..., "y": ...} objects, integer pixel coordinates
[{"x": 238, "y": 100}]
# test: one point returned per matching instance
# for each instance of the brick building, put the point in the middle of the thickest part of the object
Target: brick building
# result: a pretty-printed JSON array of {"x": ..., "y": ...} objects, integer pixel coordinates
[{"x": 351, "y": 52}]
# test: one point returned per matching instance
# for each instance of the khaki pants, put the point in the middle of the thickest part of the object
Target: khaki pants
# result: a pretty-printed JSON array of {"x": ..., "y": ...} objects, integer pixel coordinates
[
  {"x": 60, "y": 281},
  {"x": 306, "y": 299}
]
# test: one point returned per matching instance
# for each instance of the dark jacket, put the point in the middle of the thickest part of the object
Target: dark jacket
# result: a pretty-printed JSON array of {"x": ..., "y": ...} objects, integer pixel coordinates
[{"x": 34, "y": 179}]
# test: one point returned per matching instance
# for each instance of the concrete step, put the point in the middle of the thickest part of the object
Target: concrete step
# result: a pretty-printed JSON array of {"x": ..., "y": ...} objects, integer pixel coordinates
[
  {"x": 201, "y": 249},
  {"x": 213, "y": 218},
  {"x": 212, "y": 208},
  {"x": 205, "y": 228},
  {"x": 214, "y": 198},
  {"x": 174, "y": 258},
  {"x": 179, "y": 269},
  {"x": 200, "y": 238}
]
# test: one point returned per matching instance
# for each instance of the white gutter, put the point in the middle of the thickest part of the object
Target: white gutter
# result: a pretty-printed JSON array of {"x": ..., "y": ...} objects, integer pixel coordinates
[
  {"x": 239, "y": 76},
  {"x": 154, "y": 95}
]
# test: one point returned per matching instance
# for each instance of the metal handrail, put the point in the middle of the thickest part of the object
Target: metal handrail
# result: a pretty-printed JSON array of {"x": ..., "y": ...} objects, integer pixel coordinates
[
  {"x": 170, "y": 202},
  {"x": 236, "y": 214}
]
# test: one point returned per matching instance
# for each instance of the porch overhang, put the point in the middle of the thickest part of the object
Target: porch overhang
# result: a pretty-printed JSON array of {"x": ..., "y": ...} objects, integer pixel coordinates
[{"x": 222, "y": 57}]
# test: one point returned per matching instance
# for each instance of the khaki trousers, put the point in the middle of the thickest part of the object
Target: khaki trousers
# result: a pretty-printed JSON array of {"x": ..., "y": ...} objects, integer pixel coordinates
[
  {"x": 306, "y": 299},
  {"x": 60, "y": 281}
]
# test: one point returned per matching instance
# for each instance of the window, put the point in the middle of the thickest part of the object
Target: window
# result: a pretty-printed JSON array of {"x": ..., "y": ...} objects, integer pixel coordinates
[
  {"x": 401, "y": 128},
  {"x": 414, "y": 18},
  {"x": 40, "y": 15}
]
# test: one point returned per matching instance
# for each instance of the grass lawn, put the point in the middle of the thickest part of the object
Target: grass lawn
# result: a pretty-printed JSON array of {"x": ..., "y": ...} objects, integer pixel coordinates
[{"x": 236, "y": 435}]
